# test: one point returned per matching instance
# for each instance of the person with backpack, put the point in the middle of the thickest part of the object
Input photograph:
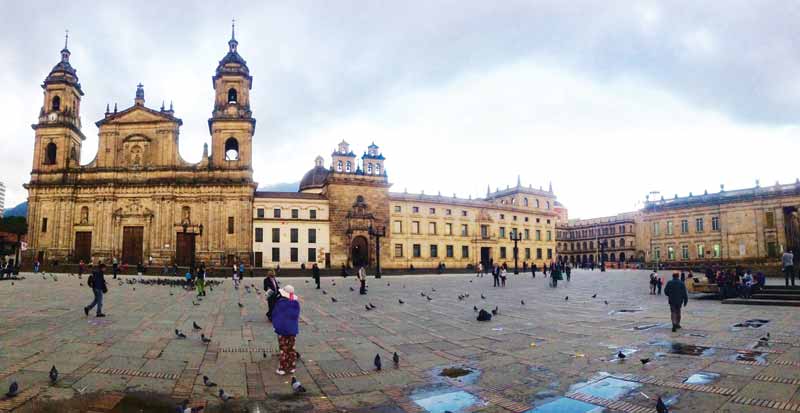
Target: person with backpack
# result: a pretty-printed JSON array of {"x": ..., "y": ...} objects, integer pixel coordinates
[{"x": 98, "y": 285}]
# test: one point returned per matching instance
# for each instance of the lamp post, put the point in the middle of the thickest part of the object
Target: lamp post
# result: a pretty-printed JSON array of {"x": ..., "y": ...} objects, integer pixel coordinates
[
  {"x": 516, "y": 237},
  {"x": 378, "y": 233},
  {"x": 602, "y": 244}
]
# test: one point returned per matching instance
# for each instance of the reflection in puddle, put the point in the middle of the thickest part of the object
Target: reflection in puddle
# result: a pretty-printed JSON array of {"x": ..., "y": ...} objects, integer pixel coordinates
[
  {"x": 608, "y": 388},
  {"x": 685, "y": 349},
  {"x": 754, "y": 323},
  {"x": 702, "y": 378},
  {"x": 752, "y": 356},
  {"x": 625, "y": 310},
  {"x": 456, "y": 401},
  {"x": 566, "y": 405},
  {"x": 460, "y": 374}
]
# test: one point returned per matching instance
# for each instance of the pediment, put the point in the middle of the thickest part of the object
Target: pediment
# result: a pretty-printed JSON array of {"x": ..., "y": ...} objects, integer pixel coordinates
[{"x": 138, "y": 114}]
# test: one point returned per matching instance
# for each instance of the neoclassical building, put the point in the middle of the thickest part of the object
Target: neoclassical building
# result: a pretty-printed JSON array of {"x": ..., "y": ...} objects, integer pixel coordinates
[
  {"x": 607, "y": 239},
  {"x": 138, "y": 200}
]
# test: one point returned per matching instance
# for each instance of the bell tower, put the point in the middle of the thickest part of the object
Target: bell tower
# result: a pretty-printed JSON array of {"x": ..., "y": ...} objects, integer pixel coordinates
[
  {"x": 232, "y": 124},
  {"x": 58, "y": 136}
]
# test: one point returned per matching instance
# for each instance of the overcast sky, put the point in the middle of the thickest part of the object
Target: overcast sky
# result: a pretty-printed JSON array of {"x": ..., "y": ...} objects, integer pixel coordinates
[{"x": 608, "y": 100}]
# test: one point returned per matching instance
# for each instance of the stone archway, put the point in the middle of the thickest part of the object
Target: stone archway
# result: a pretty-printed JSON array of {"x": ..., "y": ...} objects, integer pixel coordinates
[{"x": 359, "y": 252}]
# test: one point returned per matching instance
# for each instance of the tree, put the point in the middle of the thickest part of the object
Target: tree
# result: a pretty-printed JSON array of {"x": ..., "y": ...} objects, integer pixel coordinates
[{"x": 17, "y": 226}]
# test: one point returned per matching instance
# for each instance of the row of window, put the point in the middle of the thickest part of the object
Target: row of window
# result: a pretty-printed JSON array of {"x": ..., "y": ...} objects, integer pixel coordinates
[
  {"x": 431, "y": 211},
  {"x": 576, "y": 246},
  {"x": 526, "y": 203},
  {"x": 294, "y": 255},
  {"x": 416, "y": 252},
  {"x": 700, "y": 252},
  {"x": 348, "y": 167},
  {"x": 295, "y": 213},
  {"x": 699, "y": 226},
  {"x": 294, "y": 235},
  {"x": 592, "y": 232},
  {"x": 433, "y": 229}
]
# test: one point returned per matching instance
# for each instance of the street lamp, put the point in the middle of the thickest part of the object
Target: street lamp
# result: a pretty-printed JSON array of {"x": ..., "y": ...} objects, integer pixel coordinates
[
  {"x": 516, "y": 237},
  {"x": 378, "y": 233},
  {"x": 602, "y": 244}
]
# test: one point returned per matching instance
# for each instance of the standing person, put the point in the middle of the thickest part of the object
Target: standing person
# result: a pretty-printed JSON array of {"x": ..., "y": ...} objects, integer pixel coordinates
[
  {"x": 503, "y": 273},
  {"x": 36, "y": 266},
  {"x": 652, "y": 283},
  {"x": 150, "y": 261},
  {"x": 659, "y": 283},
  {"x": 479, "y": 272},
  {"x": 533, "y": 270},
  {"x": 82, "y": 268},
  {"x": 200, "y": 281},
  {"x": 315, "y": 274},
  {"x": 236, "y": 277},
  {"x": 677, "y": 296},
  {"x": 544, "y": 270},
  {"x": 98, "y": 285},
  {"x": 788, "y": 265},
  {"x": 569, "y": 272},
  {"x": 114, "y": 266},
  {"x": 272, "y": 290},
  {"x": 241, "y": 270},
  {"x": 362, "y": 279},
  {"x": 286, "y": 316},
  {"x": 496, "y": 275},
  {"x": 555, "y": 276}
]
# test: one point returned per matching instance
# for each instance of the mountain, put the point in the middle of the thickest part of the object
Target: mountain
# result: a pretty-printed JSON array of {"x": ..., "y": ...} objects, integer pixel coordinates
[
  {"x": 281, "y": 187},
  {"x": 20, "y": 210}
]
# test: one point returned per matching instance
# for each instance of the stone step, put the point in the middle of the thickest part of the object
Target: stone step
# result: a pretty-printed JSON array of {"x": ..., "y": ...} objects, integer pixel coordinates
[
  {"x": 753, "y": 301},
  {"x": 770, "y": 296},
  {"x": 782, "y": 287},
  {"x": 781, "y": 292}
]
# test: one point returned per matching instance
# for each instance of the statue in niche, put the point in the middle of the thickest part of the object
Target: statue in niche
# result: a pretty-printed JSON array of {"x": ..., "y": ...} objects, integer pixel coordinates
[
  {"x": 84, "y": 215},
  {"x": 136, "y": 156},
  {"x": 186, "y": 215}
]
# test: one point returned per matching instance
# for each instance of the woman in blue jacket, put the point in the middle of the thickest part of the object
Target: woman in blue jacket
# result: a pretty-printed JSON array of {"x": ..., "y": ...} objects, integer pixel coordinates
[{"x": 285, "y": 321}]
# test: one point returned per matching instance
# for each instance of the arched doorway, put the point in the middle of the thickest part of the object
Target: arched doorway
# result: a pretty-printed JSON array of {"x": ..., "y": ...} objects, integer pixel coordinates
[
  {"x": 621, "y": 257},
  {"x": 359, "y": 252}
]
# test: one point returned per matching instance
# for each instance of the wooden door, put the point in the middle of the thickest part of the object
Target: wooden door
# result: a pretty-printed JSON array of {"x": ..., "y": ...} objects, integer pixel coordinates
[
  {"x": 83, "y": 246},
  {"x": 184, "y": 249},
  {"x": 259, "y": 258},
  {"x": 132, "y": 243}
]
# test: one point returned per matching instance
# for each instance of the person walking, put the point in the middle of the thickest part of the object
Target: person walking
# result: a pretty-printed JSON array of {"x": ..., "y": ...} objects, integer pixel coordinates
[
  {"x": 114, "y": 266},
  {"x": 479, "y": 270},
  {"x": 568, "y": 270},
  {"x": 272, "y": 290},
  {"x": 503, "y": 275},
  {"x": 81, "y": 268},
  {"x": 241, "y": 270},
  {"x": 677, "y": 296},
  {"x": 236, "y": 277},
  {"x": 315, "y": 274},
  {"x": 286, "y": 316},
  {"x": 200, "y": 281},
  {"x": 788, "y": 266},
  {"x": 533, "y": 270},
  {"x": 98, "y": 285},
  {"x": 659, "y": 283},
  {"x": 496, "y": 275},
  {"x": 362, "y": 279}
]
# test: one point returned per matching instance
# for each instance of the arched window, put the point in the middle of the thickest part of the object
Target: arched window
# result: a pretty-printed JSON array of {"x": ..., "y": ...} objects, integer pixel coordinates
[
  {"x": 377, "y": 169},
  {"x": 339, "y": 166},
  {"x": 525, "y": 202},
  {"x": 369, "y": 169},
  {"x": 613, "y": 244},
  {"x": 591, "y": 245},
  {"x": 349, "y": 167},
  {"x": 50, "y": 154},
  {"x": 232, "y": 95},
  {"x": 56, "y": 103},
  {"x": 548, "y": 204},
  {"x": 537, "y": 203},
  {"x": 613, "y": 257},
  {"x": 231, "y": 149}
]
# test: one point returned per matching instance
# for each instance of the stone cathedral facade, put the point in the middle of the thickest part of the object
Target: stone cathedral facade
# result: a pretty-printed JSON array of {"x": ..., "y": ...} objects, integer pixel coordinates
[{"x": 138, "y": 201}]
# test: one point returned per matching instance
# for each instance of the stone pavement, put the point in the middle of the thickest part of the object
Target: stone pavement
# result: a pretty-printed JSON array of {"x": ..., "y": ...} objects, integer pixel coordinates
[{"x": 548, "y": 355}]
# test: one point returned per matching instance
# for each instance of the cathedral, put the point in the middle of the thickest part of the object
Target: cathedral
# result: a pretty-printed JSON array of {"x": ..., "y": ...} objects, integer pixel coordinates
[{"x": 138, "y": 201}]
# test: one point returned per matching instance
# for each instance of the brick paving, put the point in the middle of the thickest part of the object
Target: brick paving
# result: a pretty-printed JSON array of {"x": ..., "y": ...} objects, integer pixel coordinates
[{"x": 527, "y": 356}]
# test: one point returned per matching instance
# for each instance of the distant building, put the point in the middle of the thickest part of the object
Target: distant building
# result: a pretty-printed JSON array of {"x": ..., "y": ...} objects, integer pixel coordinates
[
  {"x": 607, "y": 239},
  {"x": 2, "y": 198}
]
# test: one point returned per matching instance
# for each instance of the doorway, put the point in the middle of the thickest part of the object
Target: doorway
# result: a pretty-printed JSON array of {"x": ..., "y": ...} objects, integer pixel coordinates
[
  {"x": 83, "y": 246},
  {"x": 486, "y": 256},
  {"x": 184, "y": 249},
  {"x": 359, "y": 252},
  {"x": 132, "y": 243}
]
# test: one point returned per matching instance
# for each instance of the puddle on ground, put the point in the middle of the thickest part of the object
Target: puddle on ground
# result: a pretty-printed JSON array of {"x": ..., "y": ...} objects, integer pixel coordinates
[
  {"x": 461, "y": 374},
  {"x": 752, "y": 356},
  {"x": 625, "y": 310},
  {"x": 567, "y": 405},
  {"x": 702, "y": 378},
  {"x": 626, "y": 351},
  {"x": 686, "y": 349},
  {"x": 754, "y": 323},
  {"x": 608, "y": 388},
  {"x": 650, "y": 326},
  {"x": 445, "y": 401}
]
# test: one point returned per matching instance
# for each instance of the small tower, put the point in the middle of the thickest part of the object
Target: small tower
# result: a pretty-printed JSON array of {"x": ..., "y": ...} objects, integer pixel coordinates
[
  {"x": 232, "y": 125},
  {"x": 343, "y": 159},
  {"x": 139, "y": 101},
  {"x": 319, "y": 162},
  {"x": 372, "y": 161},
  {"x": 58, "y": 131}
]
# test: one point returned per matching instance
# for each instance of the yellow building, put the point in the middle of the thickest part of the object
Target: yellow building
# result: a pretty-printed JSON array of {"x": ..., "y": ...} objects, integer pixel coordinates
[{"x": 137, "y": 198}]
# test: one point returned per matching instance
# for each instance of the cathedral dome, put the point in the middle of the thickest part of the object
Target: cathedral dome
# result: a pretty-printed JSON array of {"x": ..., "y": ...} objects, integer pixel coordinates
[{"x": 315, "y": 178}]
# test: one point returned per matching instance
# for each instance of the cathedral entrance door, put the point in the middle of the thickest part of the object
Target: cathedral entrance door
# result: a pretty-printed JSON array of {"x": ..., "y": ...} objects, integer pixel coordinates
[
  {"x": 359, "y": 252},
  {"x": 486, "y": 257},
  {"x": 132, "y": 243},
  {"x": 184, "y": 249},
  {"x": 83, "y": 246}
]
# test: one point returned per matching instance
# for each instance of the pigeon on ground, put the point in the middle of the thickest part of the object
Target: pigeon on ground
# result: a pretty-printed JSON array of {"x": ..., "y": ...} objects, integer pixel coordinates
[
  {"x": 566, "y": 298},
  {"x": 605, "y": 302},
  {"x": 204, "y": 339},
  {"x": 396, "y": 359},
  {"x": 483, "y": 297},
  {"x": 208, "y": 382},
  {"x": 53, "y": 375},
  {"x": 470, "y": 281},
  {"x": 422, "y": 294},
  {"x": 372, "y": 305},
  {"x": 306, "y": 281},
  {"x": 400, "y": 301},
  {"x": 595, "y": 295},
  {"x": 621, "y": 355},
  {"x": 240, "y": 305},
  {"x": 522, "y": 302},
  {"x": 495, "y": 311},
  {"x": 644, "y": 361},
  {"x": 367, "y": 307},
  {"x": 433, "y": 289},
  {"x": 352, "y": 289},
  {"x": 224, "y": 396},
  {"x": 334, "y": 300},
  {"x": 195, "y": 326},
  {"x": 429, "y": 298},
  {"x": 475, "y": 307},
  {"x": 377, "y": 362},
  {"x": 297, "y": 387},
  {"x": 324, "y": 292},
  {"x": 388, "y": 284},
  {"x": 765, "y": 338},
  {"x": 193, "y": 302},
  {"x": 660, "y": 406},
  {"x": 179, "y": 334},
  {"x": 264, "y": 354},
  {"x": 13, "y": 389},
  {"x": 185, "y": 408}
]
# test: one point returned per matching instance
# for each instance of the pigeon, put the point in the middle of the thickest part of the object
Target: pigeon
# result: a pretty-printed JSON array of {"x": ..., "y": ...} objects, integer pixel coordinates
[
  {"x": 297, "y": 387},
  {"x": 595, "y": 295},
  {"x": 605, "y": 302},
  {"x": 195, "y": 326},
  {"x": 53, "y": 375},
  {"x": 400, "y": 301},
  {"x": 644, "y": 361},
  {"x": 495, "y": 311},
  {"x": 240, "y": 305},
  {"x": 388, "y": 284},
  {"x": 470, "y": 281},
  {"x": 422, "y": 294},
  {"x": 224, "y": 396},
  {"x": 475, "y": 307},
  {"x": 660, "y": 406},
  {"x": 306, "y": 281},
  {"x": 324, "y": 292},
  {"x": 566, "y": 298},
  {"x": 195, "y": 303},
  {"x": 179, "y": 333},
  {"x": 433, "y": 289},
  {"x": 621, "y": 355},
  {"x": 264, "y": 354},
  {"x": 765, "y": 338},
  {"x": 208, "y": 382},
  {"x": 367, "y": 307},
  {"x": 372, "y": 305},
  {"x": 334, "y": 300},
  {"x": 352, "y": 289},
  {"x": 184, "y": 408},
  {"x": 429, "y": 298},
  {"x": 522, "y": 302},
  {"x": 13, "y": 389},
  {"x": 170, "y": 293},
  {"x": 377, "y": 362},
  {"x": 204, "y": 339},
  {"x": 396, "y": 359},
  {"x": 483, "y": 297}
]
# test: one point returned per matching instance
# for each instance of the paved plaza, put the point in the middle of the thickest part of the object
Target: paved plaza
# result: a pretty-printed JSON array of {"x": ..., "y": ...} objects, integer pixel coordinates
[{"x": 551, "y": 354}]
